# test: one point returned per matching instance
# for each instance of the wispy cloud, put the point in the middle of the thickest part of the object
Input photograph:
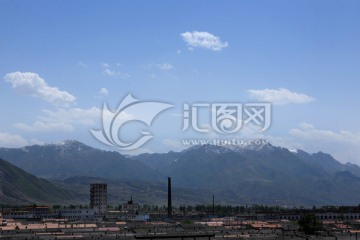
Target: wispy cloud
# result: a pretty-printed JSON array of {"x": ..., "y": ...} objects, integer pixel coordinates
[
  {"x": 12, "y": 140},
  {"x": 32, "y": 84},
  {"x": 43, "y": 126},
  {"x": 110, "y": 72},
  {"x": 82, "y": 64},
  {"x": 103, "y": 92},
  {"x": 62, "y": 120},
  {"x": 159, "y": 66},
  {"x": 343, "y": 144},
  {"x": 105, "y": 65},
  {"x": 174, "y": 144},
  {"x": 107, "y": 71},
  {"x": 307, "y": 131},
  {"x": 280, "y": 96},
  {"x": 165, "y": 66},
  {"x": 203, "y": 40}
]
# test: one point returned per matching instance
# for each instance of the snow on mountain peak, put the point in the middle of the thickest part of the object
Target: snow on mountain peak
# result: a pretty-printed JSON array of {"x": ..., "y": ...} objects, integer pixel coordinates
[{"x": 294, "y": 150}]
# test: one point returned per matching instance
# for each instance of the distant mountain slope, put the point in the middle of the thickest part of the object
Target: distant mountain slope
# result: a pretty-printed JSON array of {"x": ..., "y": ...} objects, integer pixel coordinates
[
  {"x": 72, "y": 158},
  {"x": 269, "y": 175},
  {"x": 327, "y": 162},
  {"x": 20, "y": 187}
]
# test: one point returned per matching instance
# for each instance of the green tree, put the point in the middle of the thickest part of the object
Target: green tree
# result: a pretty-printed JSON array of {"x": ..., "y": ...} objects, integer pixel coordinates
[{"x": 309, "y": 224}]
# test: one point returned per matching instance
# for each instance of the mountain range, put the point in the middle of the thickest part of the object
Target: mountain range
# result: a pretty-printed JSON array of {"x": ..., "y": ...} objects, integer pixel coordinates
[
  {"x": 72, "y": 158},
  {"x": 237, "y": 175},
  {"x": 263, "y": 175}
]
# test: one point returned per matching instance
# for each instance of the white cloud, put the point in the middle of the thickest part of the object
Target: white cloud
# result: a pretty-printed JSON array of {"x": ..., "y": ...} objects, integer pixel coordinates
[
  {"x": 307, "y": 131},
  {"x": 161, "y": 66},
  {"x": 73, "y": 115},
  {"x": 194, "y": 71},
  {"x": 137, "y": 151},
  {"x": 103, "y": 91},
  {"x": 35, "y": 141},
  {"x": 32, "y": 84},
  {"x": 203, "y": 40},
  {"x": 82, "y": 64},
  {"x": 343, "y": 145},
  {"x": 12, "y": 140},
  {"x": 280, "y": 96},
  {"x": 105, "y": 65},
  {"x": 108, "y": 72},
  {"x": 40, "y": 126},
  {"x": 165, "y": 66},
  {"x": 63, "y": 120},
  {"x": 174, "y": 144}
]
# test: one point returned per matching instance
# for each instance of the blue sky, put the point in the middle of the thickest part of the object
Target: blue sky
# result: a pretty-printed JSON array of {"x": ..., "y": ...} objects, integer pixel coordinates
[{"x": 302, "y": 56}]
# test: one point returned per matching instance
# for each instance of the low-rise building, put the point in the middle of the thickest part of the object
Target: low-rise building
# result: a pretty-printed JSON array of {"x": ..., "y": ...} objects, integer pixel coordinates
[
  {"x": 44, "y": 212},
  {"x": 72, "y": 214}
]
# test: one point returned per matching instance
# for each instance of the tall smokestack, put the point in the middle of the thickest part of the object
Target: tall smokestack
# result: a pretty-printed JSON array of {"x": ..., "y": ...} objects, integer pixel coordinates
[
  {"x": 213, "y": 206},
  {"x": 169, "y": 198}
]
